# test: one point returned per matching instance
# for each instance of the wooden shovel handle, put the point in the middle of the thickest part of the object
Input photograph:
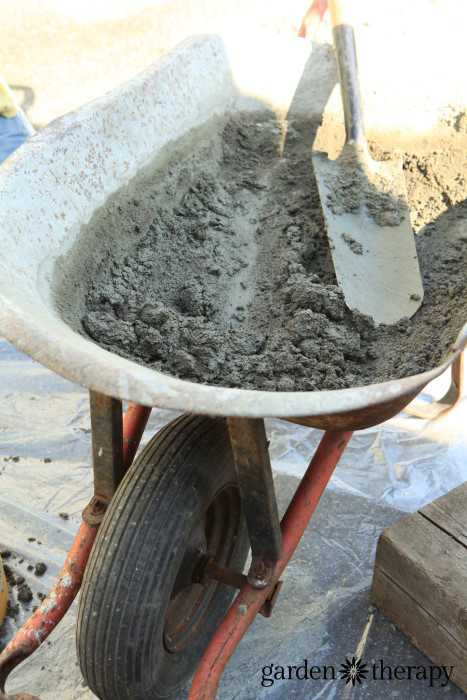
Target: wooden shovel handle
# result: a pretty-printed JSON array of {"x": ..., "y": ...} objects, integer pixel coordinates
[
  {"x": 312, "y": 19},
  {"x": 339, "y": 15}
]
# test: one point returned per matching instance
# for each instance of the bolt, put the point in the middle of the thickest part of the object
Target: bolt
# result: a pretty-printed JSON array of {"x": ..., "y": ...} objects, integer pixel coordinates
[
  {"x": 97, "y": 506},
  {"x": 260, "y": 573}
]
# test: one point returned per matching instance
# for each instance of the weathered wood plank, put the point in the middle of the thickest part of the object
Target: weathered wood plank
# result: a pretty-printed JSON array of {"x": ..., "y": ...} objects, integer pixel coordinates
[
  {"x": 431, "y": 566},
  {"x": 420, "y": 580},
  {"x": 420, "y": 627},
  {"x": 449, "y": 513}
]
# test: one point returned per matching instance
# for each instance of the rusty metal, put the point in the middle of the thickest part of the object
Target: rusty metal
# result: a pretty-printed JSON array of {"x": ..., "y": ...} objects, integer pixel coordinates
[
  {"x": 366, "y": 416},
  {"x": 51, "y": 610},
  {"x": 193, "y": 594},
  {"x": 109, "y": 463},
  {"x": 450, "y": 399},
  {"x": 112, "y": 459},
  {"x": 215, "y": 571},
  {"x": 312, "y": 19},
  {"x": 379, "y": 402},
  {"x": 107, "y": 444},
  {"x": 94, "y": 512},
  {"x": 249, "y": 601},
  {"x": 134, "y": 423},
  {"x": 253, "y": 466},
  {"x": 223, "y": 574},
  {"x": 267, "y": 608}
]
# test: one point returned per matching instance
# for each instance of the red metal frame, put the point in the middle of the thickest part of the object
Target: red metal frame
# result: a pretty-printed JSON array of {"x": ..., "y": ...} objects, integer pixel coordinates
[
  {"x": 249, "y": 601},
  {"x": 312, "y": 19},
  {"x": 134, "y": 423},
  {"x": 53, "y": 608}
]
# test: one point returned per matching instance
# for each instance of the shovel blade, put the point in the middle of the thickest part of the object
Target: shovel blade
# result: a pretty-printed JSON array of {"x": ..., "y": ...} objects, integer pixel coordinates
[{"x": 372, "y": 243}]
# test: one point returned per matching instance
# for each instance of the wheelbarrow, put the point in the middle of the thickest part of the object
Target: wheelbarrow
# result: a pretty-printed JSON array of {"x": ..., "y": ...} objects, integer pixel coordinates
[{"x": 163, "y": 542}]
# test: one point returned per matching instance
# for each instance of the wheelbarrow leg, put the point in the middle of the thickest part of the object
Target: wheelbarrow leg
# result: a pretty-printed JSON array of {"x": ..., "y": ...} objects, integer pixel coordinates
[
  {"x": 114, "y": 447},
  {"x": 250, "y": 448},
  {"x": 249, "y": 600}
]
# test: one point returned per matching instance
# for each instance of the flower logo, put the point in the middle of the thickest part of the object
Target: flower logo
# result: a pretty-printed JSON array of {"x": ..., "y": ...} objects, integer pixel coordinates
[{"x": 353, "y": 671}]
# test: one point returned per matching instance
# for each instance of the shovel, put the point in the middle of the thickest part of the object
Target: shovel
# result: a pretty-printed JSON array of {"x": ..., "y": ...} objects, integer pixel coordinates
[{"x": 365, "y": 207}]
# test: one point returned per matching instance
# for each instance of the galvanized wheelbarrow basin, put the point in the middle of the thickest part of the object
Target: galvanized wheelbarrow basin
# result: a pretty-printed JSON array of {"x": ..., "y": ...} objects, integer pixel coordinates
[{"x": 50, "y": 188}]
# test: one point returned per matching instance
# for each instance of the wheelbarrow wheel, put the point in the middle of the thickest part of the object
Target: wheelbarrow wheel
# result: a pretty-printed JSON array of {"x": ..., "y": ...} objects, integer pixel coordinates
[{"x": 145, "y": 613}]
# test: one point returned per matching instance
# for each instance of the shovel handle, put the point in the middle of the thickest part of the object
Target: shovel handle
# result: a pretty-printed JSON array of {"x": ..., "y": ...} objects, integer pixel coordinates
[{"x": 346, "y": 58}]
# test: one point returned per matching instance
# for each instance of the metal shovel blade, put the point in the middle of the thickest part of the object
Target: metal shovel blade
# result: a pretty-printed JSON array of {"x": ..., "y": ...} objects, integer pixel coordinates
[{"x": 365, "y": 209}]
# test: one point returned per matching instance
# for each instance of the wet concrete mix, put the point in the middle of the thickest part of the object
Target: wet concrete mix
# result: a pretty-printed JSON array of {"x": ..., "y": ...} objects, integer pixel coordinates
[{"x": 216, "y": 267}]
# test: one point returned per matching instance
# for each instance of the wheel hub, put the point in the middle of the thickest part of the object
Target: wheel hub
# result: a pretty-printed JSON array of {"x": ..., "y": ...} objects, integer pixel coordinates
[{"x": 214, "y": 538}]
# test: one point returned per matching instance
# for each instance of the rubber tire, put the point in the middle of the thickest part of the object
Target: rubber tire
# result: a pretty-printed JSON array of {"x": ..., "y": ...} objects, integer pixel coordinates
[{"x": 136, "y": 556}]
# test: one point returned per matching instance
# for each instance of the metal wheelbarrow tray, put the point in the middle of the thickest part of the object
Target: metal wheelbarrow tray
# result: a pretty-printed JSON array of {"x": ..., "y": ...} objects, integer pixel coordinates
[{"x": 48, "y": 190}]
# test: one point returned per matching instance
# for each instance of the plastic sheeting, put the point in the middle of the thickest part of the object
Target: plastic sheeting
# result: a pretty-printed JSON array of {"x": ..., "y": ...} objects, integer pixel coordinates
[{"x": 324, "y": 607}]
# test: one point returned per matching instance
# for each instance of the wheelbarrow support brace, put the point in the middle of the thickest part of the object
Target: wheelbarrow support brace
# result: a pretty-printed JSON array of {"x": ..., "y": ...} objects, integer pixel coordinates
[
  {"x": 250, "y": 448},
  {"x": 249, "y": 601}
]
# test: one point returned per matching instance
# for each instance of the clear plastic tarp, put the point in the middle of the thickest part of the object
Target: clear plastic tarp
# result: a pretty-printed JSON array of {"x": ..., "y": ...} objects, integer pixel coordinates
[{"x": 324, "y": 611}]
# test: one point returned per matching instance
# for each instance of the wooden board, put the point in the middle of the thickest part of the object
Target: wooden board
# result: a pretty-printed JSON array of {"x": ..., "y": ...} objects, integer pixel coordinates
[
  {"x": 449, "y": 513},
  {"x": 420, "y": 580}
]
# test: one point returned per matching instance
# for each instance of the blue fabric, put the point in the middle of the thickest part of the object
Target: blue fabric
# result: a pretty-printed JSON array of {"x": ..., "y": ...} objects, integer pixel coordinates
[{"x": 13, "y": 132}]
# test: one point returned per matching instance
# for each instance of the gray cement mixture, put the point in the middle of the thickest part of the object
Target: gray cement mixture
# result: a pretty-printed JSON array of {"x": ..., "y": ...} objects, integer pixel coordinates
[
  {"x": 355, "y": 182},
  {"x": 215, "y": 265}
]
